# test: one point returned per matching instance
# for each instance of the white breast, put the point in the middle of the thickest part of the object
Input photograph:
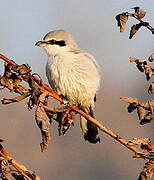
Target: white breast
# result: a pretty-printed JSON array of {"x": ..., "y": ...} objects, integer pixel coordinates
[{"x": 75, "y": 76}]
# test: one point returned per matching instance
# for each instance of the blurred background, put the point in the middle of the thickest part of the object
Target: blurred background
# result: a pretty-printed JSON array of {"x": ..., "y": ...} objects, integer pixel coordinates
[{"x": 93, "y": 25}]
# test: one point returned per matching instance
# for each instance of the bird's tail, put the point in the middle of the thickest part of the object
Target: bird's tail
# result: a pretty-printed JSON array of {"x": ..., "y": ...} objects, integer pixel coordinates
[{"x": 89, "y": 129}]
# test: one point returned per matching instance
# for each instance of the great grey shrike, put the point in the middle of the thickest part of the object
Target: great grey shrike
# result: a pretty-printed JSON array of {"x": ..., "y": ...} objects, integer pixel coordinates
[{"x": 72, "y": 73}]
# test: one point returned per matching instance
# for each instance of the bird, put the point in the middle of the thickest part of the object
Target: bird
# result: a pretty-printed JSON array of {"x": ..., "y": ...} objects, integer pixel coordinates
[{"x": 73, "y": 74}]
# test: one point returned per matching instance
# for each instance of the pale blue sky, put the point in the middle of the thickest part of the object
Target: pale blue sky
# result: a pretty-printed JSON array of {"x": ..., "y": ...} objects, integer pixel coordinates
[{"x": 93, "y": 25}]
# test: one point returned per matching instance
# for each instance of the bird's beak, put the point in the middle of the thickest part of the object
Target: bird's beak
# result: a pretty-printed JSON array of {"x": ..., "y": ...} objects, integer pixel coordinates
[{"x": 41, "y": 43}]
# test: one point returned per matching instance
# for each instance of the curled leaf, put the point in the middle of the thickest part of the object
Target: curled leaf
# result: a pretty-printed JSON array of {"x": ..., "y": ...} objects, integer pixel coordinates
[
  {"x": 140, "y": 112},
  {"x": 148, "y": 106},
  {"x": 134, "y": 29},
  {"x": 130, "y": 100},
  {"x": 5, "y": 170},
  {"x": 121, "y": 21},
  {"x": 43, "y": 121},
  {"x": 133, "y": 59},
  {"x": 140, "y": 66},
  {"x": 148, "y": 171},
  {"x": 149, "y": 71},
  {"x": 21, "y": 69},
  {"x": 151, "y": 88},
  {"x": 151, "y": 57},
  {"x": 141, "y": 141},
  {"x": 150, "y": 155},
  {"x": 139, "y": 13},
  {"x": 16, "y": 99},
  {"x": 147, "y": 119},
  {"x": 132, "y": 107},
  {"x": 6, "y": 82}
]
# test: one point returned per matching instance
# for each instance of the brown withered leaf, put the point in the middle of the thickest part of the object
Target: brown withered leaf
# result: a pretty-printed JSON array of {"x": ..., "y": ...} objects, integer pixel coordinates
[
  {"x": 151, "y": 57},
  {"x": 16, "y": 99},
  {"x": 151, "y": 88},
  {"x": 147, "y": 119},
  {"x": 132, "y": 107},
  {"x": 6, "y": 82},
  {"x": 43, "y": 121},
  {"x": 130, "y": 100},
  {"x": 149, "y": 71},
  {"x": 18, "y": 176},
  {"x": 133, "y": 59},
  {"x": 141, "y": 141},
  {"x": 139, "y": 13},
  {"x": 121, "y": 21},
  {"x": 134, "y": 29},
  {"x": 140, "y": 112},
  {"x": 5, "y": 170},
  {"x": 133, "y": 103},
  {"x": 31, "y": 175},
  {"x": 149, "y": 105},
  {"x": 140, "y": 65},
  {"x": 21, "y": 69},
  {"x": 148, "y": 171}
]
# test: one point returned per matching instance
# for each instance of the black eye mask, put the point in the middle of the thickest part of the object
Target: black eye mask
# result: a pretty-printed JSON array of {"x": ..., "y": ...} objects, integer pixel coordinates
[{"x": 54, "y": 42}]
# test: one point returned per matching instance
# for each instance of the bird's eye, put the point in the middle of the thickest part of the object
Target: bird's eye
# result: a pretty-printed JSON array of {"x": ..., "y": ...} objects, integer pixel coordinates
[
  {"x": 52, "y": 41},
  {"x": 61, "y": 43}
]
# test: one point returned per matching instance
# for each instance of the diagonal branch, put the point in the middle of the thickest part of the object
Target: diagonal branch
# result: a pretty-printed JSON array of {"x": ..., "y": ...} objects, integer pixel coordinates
[
  {"x": 46, "y": 88},
  {"x": 20, "y": 168}
]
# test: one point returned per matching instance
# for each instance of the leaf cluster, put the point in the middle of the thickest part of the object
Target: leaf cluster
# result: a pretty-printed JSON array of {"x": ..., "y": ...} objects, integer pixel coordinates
[{"x": 138, "y": 14}]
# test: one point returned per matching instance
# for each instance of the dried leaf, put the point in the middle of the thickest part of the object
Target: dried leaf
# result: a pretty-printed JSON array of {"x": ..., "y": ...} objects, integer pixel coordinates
[
  {"x": 148, "y": 71},
  {"x": 141, "y": 66},
  {"x": 139, "y": 13},
  {"x": 130, "y": 100},
  {"x": 21, "y": 69},
  {"x": 134, "y": 29},
  {"x": 150, "y": 155},
  {"x": 16, "y": 99},
  {"x": 147, "y": 119},
  {"x": 140, "y": 112},
  {"x": 17, "y": 176},
  {"x": 121, "y": 21},
  {"x": 141, "y": 141},
  {"x": 151, "y": 57},
  {"x": 148, "y": 106},
  {"x": 133, "y": 59},
  {"x": 5, "y": 170},
  {"x": 132, "y": 107},
  {"x": 6, "y": 82},
  {"x": 148, "y": 171},
  {"x": 42, "y": 121},
  {"x": 66, "y": 119},
  {"x": 151, "y": 88}
]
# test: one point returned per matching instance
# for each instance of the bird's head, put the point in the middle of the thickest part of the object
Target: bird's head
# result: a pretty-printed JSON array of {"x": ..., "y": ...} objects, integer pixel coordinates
[{"x": 56, "y": 42}]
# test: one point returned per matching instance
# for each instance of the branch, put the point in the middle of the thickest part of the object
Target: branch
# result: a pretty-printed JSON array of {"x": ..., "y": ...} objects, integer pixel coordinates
[
  {"x": 20, "y": 169},
  {"x": 50, "y": 92}
]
